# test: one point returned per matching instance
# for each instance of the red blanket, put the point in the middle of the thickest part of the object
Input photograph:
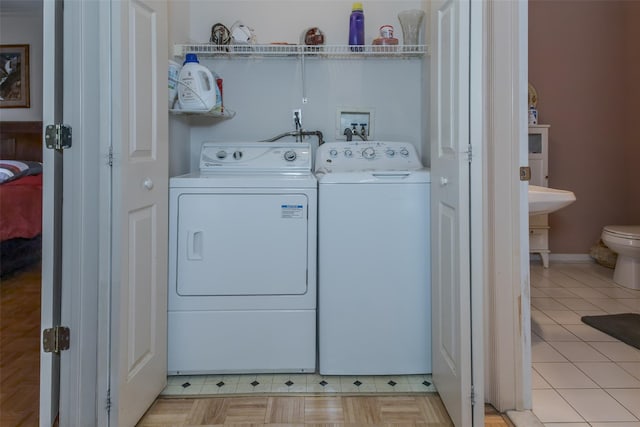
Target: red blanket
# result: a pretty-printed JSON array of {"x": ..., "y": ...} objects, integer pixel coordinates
[{"x": 21, "y": 208}]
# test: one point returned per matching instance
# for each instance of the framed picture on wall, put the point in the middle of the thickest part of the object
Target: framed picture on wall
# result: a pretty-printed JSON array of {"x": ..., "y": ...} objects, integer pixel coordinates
[{"x": 14, "y": 76}]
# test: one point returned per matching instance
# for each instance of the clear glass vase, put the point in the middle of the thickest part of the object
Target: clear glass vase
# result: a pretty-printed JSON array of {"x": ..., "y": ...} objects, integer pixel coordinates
[{"x": 411, "y": 23}]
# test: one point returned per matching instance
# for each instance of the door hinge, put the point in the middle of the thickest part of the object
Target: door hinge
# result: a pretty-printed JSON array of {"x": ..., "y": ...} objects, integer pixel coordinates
[
  {"x": 469, "y": 153},
  {"x": 110, "y": 157},
  {"x": 54, "y": 340},
  {"x": 473, "y": 396},
  {"x": 108, "y": 403},
  {"x": 57, "y": 137},
  {"x": 525, "y": 173}
]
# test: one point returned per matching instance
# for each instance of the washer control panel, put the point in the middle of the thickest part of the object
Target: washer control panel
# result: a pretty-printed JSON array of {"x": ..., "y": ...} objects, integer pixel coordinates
[
  {"x": 367, "y": 155},
  {"x": 256, "y": 157}
]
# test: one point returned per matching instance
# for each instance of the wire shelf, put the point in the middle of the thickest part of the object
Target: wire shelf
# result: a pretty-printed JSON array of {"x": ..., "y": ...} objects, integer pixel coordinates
[
  {"x": 285, "y": 50},
  {"x": 226, "y": 114}
]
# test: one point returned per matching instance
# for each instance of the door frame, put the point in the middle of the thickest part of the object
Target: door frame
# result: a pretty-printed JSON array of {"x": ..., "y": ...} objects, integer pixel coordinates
[
  {"x": 508, "y": 338},
  {"x": 505, "y": 388},
  {"x": 82, "y": 214}
]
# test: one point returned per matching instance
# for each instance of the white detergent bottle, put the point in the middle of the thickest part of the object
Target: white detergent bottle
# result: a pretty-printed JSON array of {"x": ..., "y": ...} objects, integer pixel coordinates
[{"x": 197, "y": 88}]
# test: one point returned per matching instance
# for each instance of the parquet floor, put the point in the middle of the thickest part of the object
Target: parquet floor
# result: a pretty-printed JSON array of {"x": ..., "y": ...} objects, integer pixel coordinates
[
  {"x": 420, "y": 410},
  {"x": 20, "y": 348}
]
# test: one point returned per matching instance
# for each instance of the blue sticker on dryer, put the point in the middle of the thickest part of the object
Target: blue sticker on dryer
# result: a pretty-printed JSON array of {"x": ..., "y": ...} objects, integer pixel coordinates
[{"x": 292, "y": 211}]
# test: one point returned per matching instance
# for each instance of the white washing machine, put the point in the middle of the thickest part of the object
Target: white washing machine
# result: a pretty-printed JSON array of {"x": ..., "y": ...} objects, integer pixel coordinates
[
  {"x": 242, "y": 261},
  {"x": 374, "y": 283}
]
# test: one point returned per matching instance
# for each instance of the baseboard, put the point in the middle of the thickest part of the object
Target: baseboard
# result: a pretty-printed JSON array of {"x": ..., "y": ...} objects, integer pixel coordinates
[{"x": 563, "y": 258}]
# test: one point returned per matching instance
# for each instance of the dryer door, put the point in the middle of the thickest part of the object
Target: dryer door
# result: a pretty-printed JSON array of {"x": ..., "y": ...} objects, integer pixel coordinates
[{"x": 242, "y": 244}]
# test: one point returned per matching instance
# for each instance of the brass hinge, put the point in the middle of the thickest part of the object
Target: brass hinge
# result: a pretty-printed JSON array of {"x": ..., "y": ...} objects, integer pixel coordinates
[
  {"x": 54, "y": 340},
  {"x": 57, "y": 137},
  {"x": 525, "y": 173}
]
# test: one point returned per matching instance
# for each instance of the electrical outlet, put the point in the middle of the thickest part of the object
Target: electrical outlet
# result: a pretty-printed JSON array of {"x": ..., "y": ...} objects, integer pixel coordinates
[
  {"x": 354, "y": 117},
  {"x": 297, "y": 114}
]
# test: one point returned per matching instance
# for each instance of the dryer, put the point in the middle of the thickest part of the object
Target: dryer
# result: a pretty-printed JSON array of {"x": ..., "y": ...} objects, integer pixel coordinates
[
  {"x": 374, "y": 275},
  {"x": 242, "y": 261}
]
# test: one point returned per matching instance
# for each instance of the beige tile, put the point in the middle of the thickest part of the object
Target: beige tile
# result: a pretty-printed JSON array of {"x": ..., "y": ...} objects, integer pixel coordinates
[
  {"x": 537, "y": 382},
  {"x": 564, "y": 317},
  {"x": 622, "y": 424},
  {"x": 577, "y": 304},
  {"x": 543, "y": 352},
  {"x": 610, "y": 305},
  {"x": 563, "y": 292},
  {"x": 596, "y": 405},
  {"x": 549, "y": 407},
  {"x": 617, "y": 351},
  {"x": 587, "y": 333},
  {"x": 578, "y": 351},
  {"x": 554, "y": 332},
  {"x": 633, "y": 304},
  {"x": 619, "y": 292},
  {"x": 540, "y": 318},
  {"x": 609, "y": 375},
  {"x": 547, "y": 304},
  {"x": 566, "y": 425},
  {"x": 587, "y": 293},
  {"x": 537, "y": 293},
  {"x": 535, "y": 338},
  {"x": 564, "y": 375},
  {"x": 629, "y": 398},
  {"x": 632, "y": 367}
]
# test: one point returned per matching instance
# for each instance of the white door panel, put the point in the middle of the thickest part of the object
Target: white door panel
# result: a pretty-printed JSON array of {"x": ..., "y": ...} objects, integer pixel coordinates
[
  {"x": 140, "y": 208},
  {"x": 450, "y": 208}
]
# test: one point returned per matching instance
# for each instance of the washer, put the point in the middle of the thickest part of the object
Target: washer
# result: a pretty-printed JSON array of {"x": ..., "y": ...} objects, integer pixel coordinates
[
  {"x": 374, "y": 284},
  {"x": 242, "y": 261}
]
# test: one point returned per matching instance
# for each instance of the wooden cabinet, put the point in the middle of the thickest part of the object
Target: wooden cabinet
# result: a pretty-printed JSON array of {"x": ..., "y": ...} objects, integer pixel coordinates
[{"x": 539, "y": 164}]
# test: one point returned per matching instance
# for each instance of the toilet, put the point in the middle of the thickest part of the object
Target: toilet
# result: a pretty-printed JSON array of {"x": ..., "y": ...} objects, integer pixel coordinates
[{"x": 625, "y": 241}]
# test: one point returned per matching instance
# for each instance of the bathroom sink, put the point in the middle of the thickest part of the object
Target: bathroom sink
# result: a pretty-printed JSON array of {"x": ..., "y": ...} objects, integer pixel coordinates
[{"x": 544, "y": 200}]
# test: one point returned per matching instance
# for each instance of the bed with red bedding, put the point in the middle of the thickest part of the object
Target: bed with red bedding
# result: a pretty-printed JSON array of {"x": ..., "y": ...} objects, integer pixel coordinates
[{"x": 20, "y": 195}]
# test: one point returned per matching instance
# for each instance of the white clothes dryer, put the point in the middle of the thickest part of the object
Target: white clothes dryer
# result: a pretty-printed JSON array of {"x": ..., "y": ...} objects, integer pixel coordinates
[
  {"x": 374, "y": 275},
  {"x": 242, "y": 261}
]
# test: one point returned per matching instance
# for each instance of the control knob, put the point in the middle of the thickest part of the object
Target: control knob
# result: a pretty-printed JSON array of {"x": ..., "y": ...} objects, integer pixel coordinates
[
  {"x": 348, "y": 153},
  {"x": 404, "y": 152},
  {"x": 237, "y": 155},
  {"x": 290, "y": 155},
  {"x": 333, "y": 152},
  {"x": 221, "y": 154},
  {"x": 368, "y": 153},
  {"x": 390, "y": 152}
]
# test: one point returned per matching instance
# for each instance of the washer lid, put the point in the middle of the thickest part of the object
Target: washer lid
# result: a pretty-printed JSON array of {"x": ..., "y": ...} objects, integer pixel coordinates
[{"x": 626, "y": 231}]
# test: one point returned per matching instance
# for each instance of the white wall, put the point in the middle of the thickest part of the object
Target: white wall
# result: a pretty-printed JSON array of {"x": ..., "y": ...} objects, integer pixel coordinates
[
  {"x": 21, "y": 23},
  {"x": 263, "y": 92}
]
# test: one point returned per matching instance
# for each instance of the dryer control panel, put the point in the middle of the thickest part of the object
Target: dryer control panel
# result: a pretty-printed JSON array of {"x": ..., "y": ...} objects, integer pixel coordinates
[
  {"x": 262, "y": 157},
  {"x": 367, "y": 155}
]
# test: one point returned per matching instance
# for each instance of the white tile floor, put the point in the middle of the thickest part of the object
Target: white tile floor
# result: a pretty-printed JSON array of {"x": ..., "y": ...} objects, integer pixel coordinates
[
  {"x": 581, "y": 376},
  {"x": 295, "y": 383}
]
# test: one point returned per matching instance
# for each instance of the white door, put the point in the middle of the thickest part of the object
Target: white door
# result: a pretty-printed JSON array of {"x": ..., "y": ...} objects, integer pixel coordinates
[
  {"x": 140, "y": 207},
  {"x": 51, "y": 209},
  {"x": 450, "y": 209}
]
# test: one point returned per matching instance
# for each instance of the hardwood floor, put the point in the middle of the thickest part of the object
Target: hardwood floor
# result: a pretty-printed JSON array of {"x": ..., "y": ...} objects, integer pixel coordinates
[
  {"x": 20, "y": 348},
  {"x": 419, "y": 410}
]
